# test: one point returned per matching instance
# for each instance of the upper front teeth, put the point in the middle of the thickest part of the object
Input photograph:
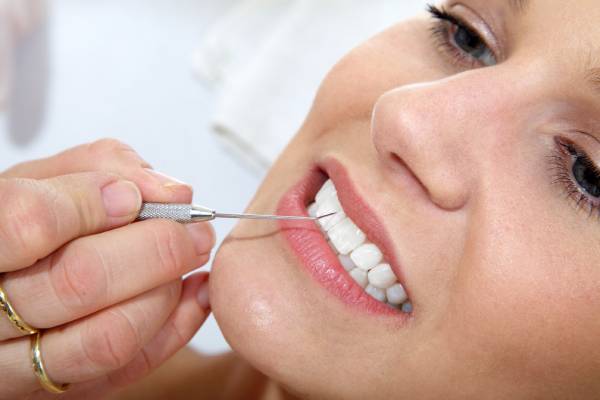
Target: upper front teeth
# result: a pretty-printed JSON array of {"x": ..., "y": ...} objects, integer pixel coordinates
[
  {"x": 363, "y": 260},
  {"x": 326, "y": 190},
  {"x": 346, "y": 236}
]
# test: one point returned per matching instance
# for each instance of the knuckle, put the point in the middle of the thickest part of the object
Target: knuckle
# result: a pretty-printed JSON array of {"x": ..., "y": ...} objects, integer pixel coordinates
[
  {"x": 175, "y": 291},
  {"x": 29, "y": 218},
  {"x": 111, "y": 341},
  {"x": 85, "y": 210},
  {"x": 138, "y": 368},
  {"x": 111, "y": 149},
  {"x": 108, "y": 146},
  {"x": 173, "y": 294},
  {"x": 179, "y": 334},
  {"x": 168, "y": 241},
  {"x": 79, "y": 277}
]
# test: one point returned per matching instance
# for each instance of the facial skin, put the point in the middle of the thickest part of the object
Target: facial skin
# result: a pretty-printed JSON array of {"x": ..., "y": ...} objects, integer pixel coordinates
[{"x": 462, "y": 164}]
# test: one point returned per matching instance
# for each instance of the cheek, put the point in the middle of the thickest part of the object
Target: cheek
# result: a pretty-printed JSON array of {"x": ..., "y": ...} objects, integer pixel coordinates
[
  {"x": 244, "y": 292},
  {"x": 245, "y": 289},
  {"x": 266, "y": 314},
  {"x": 394, "y": 58},
  {"x": 526, "y": 297}
]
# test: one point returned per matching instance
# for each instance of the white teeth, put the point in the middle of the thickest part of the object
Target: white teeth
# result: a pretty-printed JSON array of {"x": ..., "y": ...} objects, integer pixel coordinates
[
  {"x": 362, "y": 260},
  {"x": 359, "y": 276},
  {"x": 326, "y": 190},
  {"x": 366, "y": 256},
  {"x": 333, "y": 247},
  {"x": 382, "y": 276},
  {"x": 376, "y": 293},
  {"x": 330, "y": 205},
  {"x": 396, "y": 294},
  {"x": 347, "y": 263},
  {"x": 346, "y": 236}
]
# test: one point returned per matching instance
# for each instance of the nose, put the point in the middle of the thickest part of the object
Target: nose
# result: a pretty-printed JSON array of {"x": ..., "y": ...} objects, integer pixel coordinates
[{"x": 432, "y": 131}]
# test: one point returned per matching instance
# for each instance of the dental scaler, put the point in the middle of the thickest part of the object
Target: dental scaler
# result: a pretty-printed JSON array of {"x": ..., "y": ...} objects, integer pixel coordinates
[{"x": 186, "y": 213}]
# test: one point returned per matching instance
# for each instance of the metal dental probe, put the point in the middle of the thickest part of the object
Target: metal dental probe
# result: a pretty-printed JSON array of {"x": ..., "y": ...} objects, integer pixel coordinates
[{"x": 186, "y": 213}]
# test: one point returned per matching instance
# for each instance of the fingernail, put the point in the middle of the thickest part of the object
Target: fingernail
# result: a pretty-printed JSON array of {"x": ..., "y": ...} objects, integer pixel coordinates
[
  {"x": 165, "y": 180},
  {"x": 121, "y": 199},
  {"x": 202, "y": 295},
  {"x": 203, "y": 236}
]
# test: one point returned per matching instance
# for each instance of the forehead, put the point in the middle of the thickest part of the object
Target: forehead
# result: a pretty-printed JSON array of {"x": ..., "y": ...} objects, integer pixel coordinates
[
  {"x": 565, "y": 34},
  {"x": 564, "y": 31},
  {"x": 546, "y": 18},
  {"x": 573, "y": 22}
]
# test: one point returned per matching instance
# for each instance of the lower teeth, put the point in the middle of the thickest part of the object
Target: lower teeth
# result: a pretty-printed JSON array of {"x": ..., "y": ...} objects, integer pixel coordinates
[{"x": 363, "y": 260}]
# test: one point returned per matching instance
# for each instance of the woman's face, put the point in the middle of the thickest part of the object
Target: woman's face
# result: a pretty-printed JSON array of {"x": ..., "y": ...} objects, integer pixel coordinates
[{"x": 464, "y": 146}]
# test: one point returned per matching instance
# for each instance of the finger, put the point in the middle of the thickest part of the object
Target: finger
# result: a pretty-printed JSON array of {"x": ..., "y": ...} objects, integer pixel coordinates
[
  {"x": 183, "y": 323},
  {"x": 92, "y": 347},
  {"x": 81, "y": 158},
  {"x": 97, "y": 389},
  {"x": 38, "y": 216},
  {"x": 111, "y": 156},
  {"x": 94, "y": 272},
  {"x": 186, "y": 320}
]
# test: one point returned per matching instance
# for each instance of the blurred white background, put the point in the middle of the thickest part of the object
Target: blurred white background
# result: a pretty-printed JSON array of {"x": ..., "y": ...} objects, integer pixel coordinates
[{"x": 160, "y": 75}]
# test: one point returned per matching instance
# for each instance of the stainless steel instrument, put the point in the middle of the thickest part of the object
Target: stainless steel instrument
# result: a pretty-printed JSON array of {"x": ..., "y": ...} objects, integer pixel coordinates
[{"x": 186, "y": 213}]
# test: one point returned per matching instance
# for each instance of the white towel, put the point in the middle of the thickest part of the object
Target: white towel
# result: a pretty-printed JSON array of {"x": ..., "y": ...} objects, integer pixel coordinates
[
  {"x": 267, "y": 58},
  {"x": 17, "y": 19}
]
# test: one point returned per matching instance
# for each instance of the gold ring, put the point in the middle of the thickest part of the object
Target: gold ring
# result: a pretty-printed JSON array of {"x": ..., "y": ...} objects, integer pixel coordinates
[
  {"x": 13, "y": 316},
  {"x": 40, "y": 371}
]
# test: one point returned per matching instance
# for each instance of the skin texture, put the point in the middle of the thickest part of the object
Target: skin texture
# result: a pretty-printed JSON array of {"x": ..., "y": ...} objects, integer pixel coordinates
[
  {"x": 500, "y": 263},
  {"x": 107, "y": 294}
]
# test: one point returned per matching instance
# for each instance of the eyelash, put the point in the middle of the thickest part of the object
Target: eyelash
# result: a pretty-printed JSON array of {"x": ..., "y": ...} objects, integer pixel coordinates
[
  {"x": 441, "y": 36},
  {"x": 567, "y": 153}
]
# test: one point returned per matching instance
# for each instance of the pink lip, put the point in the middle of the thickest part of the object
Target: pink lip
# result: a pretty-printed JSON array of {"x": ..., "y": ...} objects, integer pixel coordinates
[{"x": 309, "y": 244}]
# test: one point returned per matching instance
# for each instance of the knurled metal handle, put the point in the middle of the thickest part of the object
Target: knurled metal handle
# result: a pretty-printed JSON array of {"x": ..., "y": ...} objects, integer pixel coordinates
[{"x": 174, "y": 212}]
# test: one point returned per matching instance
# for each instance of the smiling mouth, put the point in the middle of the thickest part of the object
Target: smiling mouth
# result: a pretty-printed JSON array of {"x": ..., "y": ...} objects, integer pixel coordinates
[
  {"x": 350, "y": 253},
  {"x": 362, "y": 259}
]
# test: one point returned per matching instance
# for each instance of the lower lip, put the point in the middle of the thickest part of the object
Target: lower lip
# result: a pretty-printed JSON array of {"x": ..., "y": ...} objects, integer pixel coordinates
[{"x": 309, "y": 244}]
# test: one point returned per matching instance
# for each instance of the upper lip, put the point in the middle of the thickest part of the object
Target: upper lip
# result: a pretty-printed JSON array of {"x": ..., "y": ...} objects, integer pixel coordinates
[{"x": 363, "y": 215}]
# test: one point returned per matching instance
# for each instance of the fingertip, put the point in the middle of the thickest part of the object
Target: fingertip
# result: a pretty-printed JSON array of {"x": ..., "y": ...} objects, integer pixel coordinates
[{"x": 203, "y": 236}]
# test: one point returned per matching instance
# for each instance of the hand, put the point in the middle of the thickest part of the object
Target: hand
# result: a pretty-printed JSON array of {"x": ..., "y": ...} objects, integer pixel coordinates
[{"x": 108, "y": 294}]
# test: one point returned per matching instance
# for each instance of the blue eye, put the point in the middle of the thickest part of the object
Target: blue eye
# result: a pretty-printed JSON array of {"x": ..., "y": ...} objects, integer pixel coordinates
[
  {"x": 585, "y": 173},
  {"x": 577, "y": 175},
  {"x": 472, "y": 45},
  {"x": 460, "y": 41}
]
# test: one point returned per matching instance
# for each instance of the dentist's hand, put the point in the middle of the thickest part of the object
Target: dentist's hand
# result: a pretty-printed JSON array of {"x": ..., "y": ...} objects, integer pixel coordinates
[{"x": 107, "y": 294}]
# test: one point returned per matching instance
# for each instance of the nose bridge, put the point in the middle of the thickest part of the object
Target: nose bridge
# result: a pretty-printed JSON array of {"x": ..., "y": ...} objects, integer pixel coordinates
[{"x": 441, "y": 131}]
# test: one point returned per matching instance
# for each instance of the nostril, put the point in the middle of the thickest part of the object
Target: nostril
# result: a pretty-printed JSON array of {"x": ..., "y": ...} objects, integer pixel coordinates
[
  {"x": 443, "y": 190},
  {"x": 399, "y": 164}
]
